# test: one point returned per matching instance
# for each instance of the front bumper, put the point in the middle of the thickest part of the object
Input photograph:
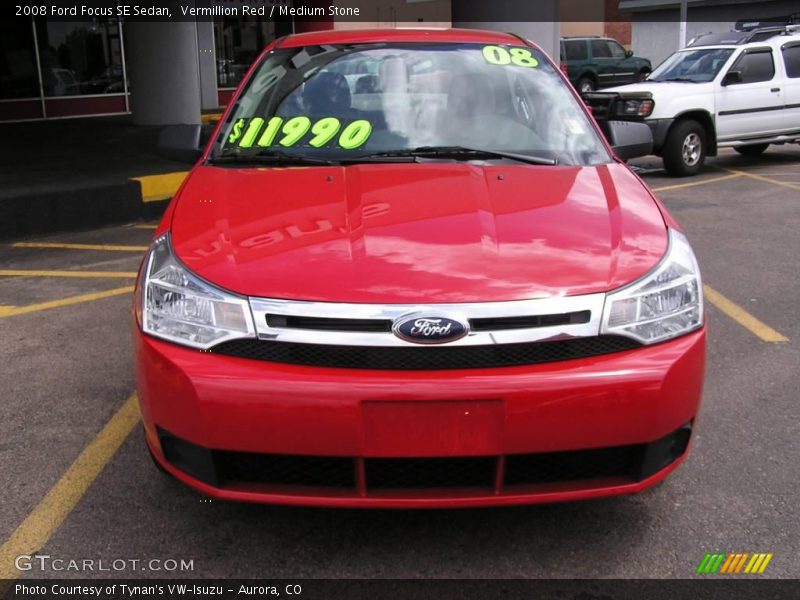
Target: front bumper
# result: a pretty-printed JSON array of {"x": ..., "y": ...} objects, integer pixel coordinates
[{"x": 257, "y": 431}]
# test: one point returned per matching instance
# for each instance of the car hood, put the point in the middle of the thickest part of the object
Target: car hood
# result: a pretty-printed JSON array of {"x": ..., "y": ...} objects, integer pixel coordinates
[
  {"x": 423, "y": 233},
  {"x": 662, "y": 87}
]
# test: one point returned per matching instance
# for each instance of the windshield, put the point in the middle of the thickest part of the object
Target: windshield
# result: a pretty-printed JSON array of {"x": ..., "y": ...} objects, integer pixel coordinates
[
  {"x": 692, "y": 65},
  {"x": 350, "y": 102}
]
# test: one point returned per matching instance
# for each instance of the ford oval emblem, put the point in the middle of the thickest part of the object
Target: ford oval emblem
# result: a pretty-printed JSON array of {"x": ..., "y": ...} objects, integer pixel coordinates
[{"x": 429, "y": 329}]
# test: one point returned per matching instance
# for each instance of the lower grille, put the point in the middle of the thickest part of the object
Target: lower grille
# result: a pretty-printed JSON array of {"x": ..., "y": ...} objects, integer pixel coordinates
[
  {"x": 422, "y": 473},
  {"x": 425, "y": 358},
  {"x": 490, "y": 474},
  {"x": 524, "y": 469},
  {"x": 282, "y": 469}
]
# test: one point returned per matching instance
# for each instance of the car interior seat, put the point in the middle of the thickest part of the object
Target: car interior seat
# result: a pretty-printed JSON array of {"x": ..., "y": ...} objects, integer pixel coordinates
[{"x": 327, "y": 94}]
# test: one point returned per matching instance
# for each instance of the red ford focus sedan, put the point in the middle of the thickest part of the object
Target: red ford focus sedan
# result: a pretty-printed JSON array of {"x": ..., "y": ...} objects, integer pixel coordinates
[{"x": 408, "y": 270}]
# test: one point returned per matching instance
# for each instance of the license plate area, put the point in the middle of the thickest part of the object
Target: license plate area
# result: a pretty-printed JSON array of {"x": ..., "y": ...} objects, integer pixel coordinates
[{"x": 432, "y": 429}]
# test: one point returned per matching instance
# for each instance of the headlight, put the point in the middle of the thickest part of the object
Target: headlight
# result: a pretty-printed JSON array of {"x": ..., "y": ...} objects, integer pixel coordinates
[
  {"x": 635, "y": 108},
  {"x": 665, "y": 303},
  {"x": 180, "y": 307}
]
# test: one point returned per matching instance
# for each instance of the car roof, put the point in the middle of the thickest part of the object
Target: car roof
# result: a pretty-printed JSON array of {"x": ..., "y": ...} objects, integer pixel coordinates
[
  {"x": 364, "y": 36},
  {"x": 775, "y": 42}
]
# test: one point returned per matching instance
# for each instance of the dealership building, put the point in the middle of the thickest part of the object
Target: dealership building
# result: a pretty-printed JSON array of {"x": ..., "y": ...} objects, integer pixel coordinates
[{"x": 164, "y": 72}]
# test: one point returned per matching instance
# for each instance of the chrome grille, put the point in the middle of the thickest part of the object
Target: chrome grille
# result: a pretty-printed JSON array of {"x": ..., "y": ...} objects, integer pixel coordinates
[
  {"x": 491, "y": 323},
  {"x": 360, "y": 336}
]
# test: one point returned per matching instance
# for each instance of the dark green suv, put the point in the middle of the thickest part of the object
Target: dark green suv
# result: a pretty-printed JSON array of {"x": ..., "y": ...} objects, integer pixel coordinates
[{"x": 594, "y": 62}]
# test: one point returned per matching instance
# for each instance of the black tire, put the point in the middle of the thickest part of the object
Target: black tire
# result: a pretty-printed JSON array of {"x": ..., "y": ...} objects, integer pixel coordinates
[
  {"x": 684, "y": 150},
  {"x": 643, "y": 74},
  {"x": 751, "y": 150},
  {"x": 586, "y": 84}
]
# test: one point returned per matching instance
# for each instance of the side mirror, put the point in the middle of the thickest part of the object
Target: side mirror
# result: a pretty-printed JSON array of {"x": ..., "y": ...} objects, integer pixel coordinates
[
  {"x": 732, "y": 77},
  {"x": 630, "y": 139},
  {"x": 181, "y": 143},
  {"x": 628, "y": 53}
]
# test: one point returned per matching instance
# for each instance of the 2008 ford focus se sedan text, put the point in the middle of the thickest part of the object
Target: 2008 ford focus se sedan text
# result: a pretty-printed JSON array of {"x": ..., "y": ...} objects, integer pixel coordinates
[{"x": 408, "y": 270}]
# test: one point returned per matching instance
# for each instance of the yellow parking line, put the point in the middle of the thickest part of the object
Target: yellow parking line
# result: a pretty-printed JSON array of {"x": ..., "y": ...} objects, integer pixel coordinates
[
  {"x": 743, "y": 318},
  {"x": 679, "y": 186},
  {"x": 786, "y": 184},
  {"x": 76, "y": 274},
  {"x": 34, "y": 532},
  {"x": 778, "y": 174},
  {"x": 160, "y": 187},
  {"x": 12, "y": 311},
  {"x": 145, "y": 226},
  {"x": 60, "y": 246},
  {"x": 210, "y": 117}
]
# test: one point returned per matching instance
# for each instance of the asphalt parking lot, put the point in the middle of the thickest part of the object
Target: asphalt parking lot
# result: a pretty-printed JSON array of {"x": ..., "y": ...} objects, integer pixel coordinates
[{"x": 79, "y": 484}]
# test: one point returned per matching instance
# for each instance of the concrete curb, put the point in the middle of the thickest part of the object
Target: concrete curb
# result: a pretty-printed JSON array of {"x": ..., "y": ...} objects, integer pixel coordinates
[{"x": 75, "y": 209}]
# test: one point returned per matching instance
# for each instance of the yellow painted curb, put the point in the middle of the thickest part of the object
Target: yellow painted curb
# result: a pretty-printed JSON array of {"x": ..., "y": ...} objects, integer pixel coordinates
[{"x": 160, "y": 187}]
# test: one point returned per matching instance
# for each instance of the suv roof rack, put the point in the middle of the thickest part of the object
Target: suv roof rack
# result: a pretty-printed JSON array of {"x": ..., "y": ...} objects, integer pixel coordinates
[
  {"x": 749, "y": 31},
  {"x": 772, "y": 22}
]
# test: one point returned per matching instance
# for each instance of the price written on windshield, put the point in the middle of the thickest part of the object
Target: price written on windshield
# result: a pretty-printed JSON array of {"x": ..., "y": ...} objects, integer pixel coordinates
[{"x": 287, "y": 133}]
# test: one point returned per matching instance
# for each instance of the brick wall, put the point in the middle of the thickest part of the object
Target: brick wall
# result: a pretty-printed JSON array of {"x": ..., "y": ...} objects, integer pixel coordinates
[{"x": 617, "y": 24}]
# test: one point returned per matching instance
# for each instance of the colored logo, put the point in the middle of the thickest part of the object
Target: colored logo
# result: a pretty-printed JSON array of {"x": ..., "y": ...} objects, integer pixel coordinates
[
  {"x": 431, "y": 329},
  {"x": 734, "y": 562}
]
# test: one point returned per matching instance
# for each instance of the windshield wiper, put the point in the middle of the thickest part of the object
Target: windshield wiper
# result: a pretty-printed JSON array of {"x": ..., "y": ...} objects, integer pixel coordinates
[
  {"x": 270, "y": 157},
  {"x": 458, "y": 152},
  {"x": 276, "y": 157}
]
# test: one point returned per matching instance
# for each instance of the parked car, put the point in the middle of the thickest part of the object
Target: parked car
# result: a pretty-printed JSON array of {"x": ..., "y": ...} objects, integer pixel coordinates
[
  {"x": 106, "y": 82},
  {"x": 60, "y": 82},
  {"x": 739, "y": 89},
  {"x": 442, "y": 288},
  {"x": 594, "y": 62}
]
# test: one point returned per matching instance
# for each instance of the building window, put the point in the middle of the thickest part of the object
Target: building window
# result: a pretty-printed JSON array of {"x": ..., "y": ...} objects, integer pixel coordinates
[
  {"x": 80, "y": 57},
  {"x": 238, "y": 41},
  {"x": 18, "y": 76}
]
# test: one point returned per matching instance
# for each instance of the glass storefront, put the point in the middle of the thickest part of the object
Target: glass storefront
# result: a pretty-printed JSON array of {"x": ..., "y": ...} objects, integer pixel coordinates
[
  {"x": 20, "y": 95},
  {"x": 54, "y": 68},
  {"x": 61, "y": 69},
  {"x": 18, "y": 77},
  {"x": 80, "y": 57}
]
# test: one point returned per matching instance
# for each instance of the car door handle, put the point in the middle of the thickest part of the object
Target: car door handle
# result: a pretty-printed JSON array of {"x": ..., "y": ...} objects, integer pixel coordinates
[{"x": 775, "y": 90}]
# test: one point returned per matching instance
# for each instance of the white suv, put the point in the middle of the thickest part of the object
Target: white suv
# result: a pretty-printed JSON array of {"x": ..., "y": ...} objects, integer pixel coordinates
[{"x": 739, "y": 89}]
